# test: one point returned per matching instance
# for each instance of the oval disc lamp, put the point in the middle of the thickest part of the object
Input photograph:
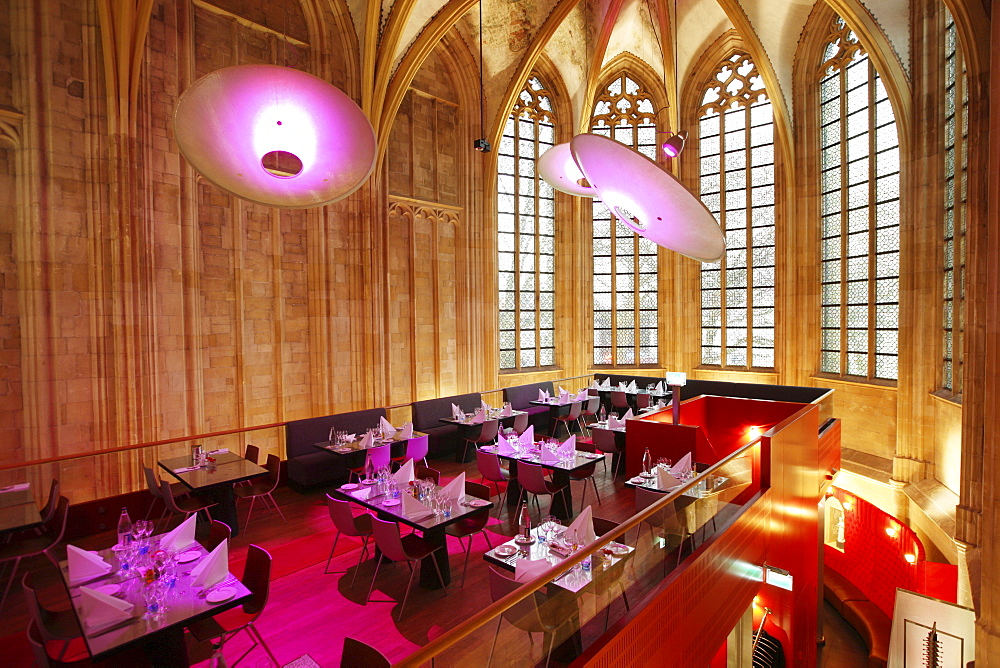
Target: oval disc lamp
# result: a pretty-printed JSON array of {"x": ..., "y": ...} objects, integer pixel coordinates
[
  {"x": 559, "y": 170},
  {"x": 649, "y": 200},
  {"x": 275, "y": 136}
]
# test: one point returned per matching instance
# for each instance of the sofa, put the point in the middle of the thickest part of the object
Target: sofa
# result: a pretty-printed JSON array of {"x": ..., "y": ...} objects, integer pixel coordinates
[
  {"x": 868, "y": 620},
  {"x": 640, "y": 381},
  {"x": 308, "y": 466},
  {"x": 426, "y": 416},
  {"x": 793, "y": 393},
  {"x": 520, "y": 398}
]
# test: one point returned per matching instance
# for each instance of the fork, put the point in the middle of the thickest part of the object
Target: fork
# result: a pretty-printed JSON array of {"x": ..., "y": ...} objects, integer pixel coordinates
[{"x": 208, "y": 590}]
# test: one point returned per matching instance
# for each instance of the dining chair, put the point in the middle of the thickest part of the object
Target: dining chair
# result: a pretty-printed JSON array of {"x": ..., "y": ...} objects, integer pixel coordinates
[
  {"x": 416, "y": 448},
  {"x": 252, "y": 453},
  {"x": 491, "y": 470},
  {"x": 47, "y": 512},
  {"x": 537, "y": 613},
  {"x": 424, "y": 472},
  {"x": 619, "y": 400},
  {"x": 470, "y": 525},
  {"x": 604, "y": 440},
  {"x": 487, "y": 434},
  {"x": 357, "y": 654},
  {"x": 32, "y": 545},
  {"x": 41, "y": 654},
  {"x": 379, "y": 456},
  {"x": 52, "y": 625},
  {"x": 186, "y": 506},
  {"x": 153, "y": 485},
  {"x": 212, "y": 536},
  {"x": 642, "y": 400},
  {"x": 699, "y": 513},
  {"x": 666, "y": 520},
  {"x": 605, "y": 578},
  {"x": 409, "y": 548},
  {"x": 520, "y": 424},
  {"x": 603, "y": 526},
  {"x": 223, "y": 627},
  {"x": 586, "y": 473},
  {"x": 348, "y": 524},
  {"x": 532, "y": 479},
  {"x": 590, "y": 408},
  {"x": 262, "y": 488},
  {"x": 573, "y": 415}
]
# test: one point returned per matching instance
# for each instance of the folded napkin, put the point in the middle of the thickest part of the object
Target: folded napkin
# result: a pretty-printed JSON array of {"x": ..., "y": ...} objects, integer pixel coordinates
[
  {"x": 528, "y": 437},
  {"x": 186, "y": 469},
  {"x": 583, "y": 395},
  {"x": 628, "y": 416},
  {"x": 569, "y": 445},
  {"x": 562, "y": 390},
  {"x": 412, "y": 507},
  {"x": 507, "y": 411},
  {"x": 20, "y": 487},
  {"x": 404, "y": 476},
  {"x": 101, "y": 610},
  {"x": 595, "y": 385},
  {"x": 615, "y": 423},
  {"x": 529, "y": 569},
  {"x": 368, "y": 440},
  {"x": 479, "y": 417},
  {"x": 664, "y": 480},
  {"x": 503, "y": 447},
  {"x": 181, "y": 537},
  {"x": 85, "y": 565},
  {"x": 456, "y": 488},
  {"x": 659, "y": 387},
  {"x": 485, "y": 406},
  {"x": 683, "y": 465},
  {"x": 220, "y": 451},
  {"x": 549, "y": 455},
  {"x": 563, "y": 397},
  {"x": 406, "y": 431},
  {"x": 214, "y": 568},
  {"x": 583, "y": 525},
  {"x": 542, "y": 395},
  {"x": 386, "y": 427},
  {"x": 455, "y": 411},
  {"x": 350, "y": 438},
  {"x": 606, "y": 385},
  {"x": 632, "y": 387}
]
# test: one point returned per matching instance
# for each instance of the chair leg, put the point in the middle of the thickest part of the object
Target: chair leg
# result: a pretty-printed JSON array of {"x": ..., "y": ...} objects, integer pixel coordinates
[
  {"x": 468, "y": 551},
  {"x": 438, "y": 568},
  {"x": 260, "y": 639},
  {"x": 583, "y": 497},
  {"x": 486, "y": 536},
  {"x": 413, "y": 571},
  {"x": 361, "y": 555},
  {"x": 493, "y": 646},
  {"x": 253, "y": 500},
  {"x": 13, "y": 574},
  {"x": 326, "y": 570},
  {"x": 268, "y": 495},
  {"x": 594, "y": 482},
  {"x": 374, "y": 575}
]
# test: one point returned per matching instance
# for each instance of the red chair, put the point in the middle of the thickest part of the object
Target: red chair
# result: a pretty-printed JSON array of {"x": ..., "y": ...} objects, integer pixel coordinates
[
  {"x": 520, "y": 423},
  {"x": 586, "y": 473},
  {"x": 604, "y": 440},
  {"x": 469, "y": 526},
  {"x": 425, "y": 472},
  {"x": 379, "y": 456},
  {"x": 262, "y": 488},
  {"x": 532, "y": 479},
  {"x": 491, "y": 470},
  {"x": 29, "y": 546},
  {"x": 357, "y": 654},
  {"x": 642, "y": 401},
  {"x": 52, "y": 625},
  {"x": 348, "y": 524},
  {"x": 619, "y": 401},
  {"x": 213, "y": 536},
  {"x": 178, "y": 489},
  {"x": 487, "y": 434},
  {"x": 590, "y": 408},
  {"x": 402, "y": 548},
  {"x": 416, "y": 448},
  {"x": 572, "y": 416},
  {"x": 252, "y": 453},
  {"x": 186, "y": 506},
  {"x": 224, "y": 626}
]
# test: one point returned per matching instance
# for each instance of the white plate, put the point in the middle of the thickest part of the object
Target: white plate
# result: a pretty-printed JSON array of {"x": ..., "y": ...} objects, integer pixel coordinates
[
  {"x": 616, "y": 548},
  {"x": 637, "y": 480},
  {"x": 221, "y": 594},
  {"x": 478, "y": 503},
  {"x": 109, "y": 589},
  {"x": 349, "y": 486},
  {"x": 506, "y": 550},
  {"x": 368, "y": 481},
  {"x": 521, "y": 540},
  {"x": 389, "y": 503},
  {"x": 186, "y": 557}
]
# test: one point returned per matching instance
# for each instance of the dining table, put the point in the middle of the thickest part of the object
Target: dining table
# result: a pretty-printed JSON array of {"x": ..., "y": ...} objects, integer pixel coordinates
[
  {"x": 430, "y": 524},
  {"x": 215, "y": 479},
  {"x": 18, "y": 509},
  {"x": 354, "y": 454},
  {"x": 160, "y": 636},
  {"x": 468, "y": 429},
  {"x": 562, "y": 502}
]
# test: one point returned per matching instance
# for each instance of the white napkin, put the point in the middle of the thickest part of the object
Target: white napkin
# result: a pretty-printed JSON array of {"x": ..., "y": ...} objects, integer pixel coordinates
[
  {"x": 350, "y": 438},
  {"x": 412, "y": 507},
  {"x": 595, "y": 385},
  {"x": 386, "y": 427},
  {"x": 485, "y": 406},
  {"x": 212, "y": 569},
  {"x": 615, "y": 423},
  {"x": 628, "y": 416},
  {"x": 507, "y": 411},
  {"x": 569, "y": 445},
  {"x": 101, "y": 610},
  {"x": 479, "y": 417},
  {"x": 85, "y": 565},
  {"x": 632, "y": 387},
  {"x": 406, "y": 431},
  {"x": 583, "y": 395},
  {"x": 606, "y": 385},
  {"x": 20, "y": 487},
  {"x": 529, "y": 569},
  {"x": 549, "y": 455},
  {"x": 528, "y": 437},
  {"x": 368, "y": 440},
  {"x": 683, "y": 465},
  {"x": 664, "y": 480},
  {"x": 563, "y": 397},
  {"x": 456, "y": 488},
  {"x": 503, "y": 447},
  {"x": 181, "y": 537},
  {"x": 562, "y": 391},
  {"x": 404, "y": 476},
  {"x": 455, "y": 411},
  {"x": 659, "y": 387},
  {"x": 584, "y": 527}
]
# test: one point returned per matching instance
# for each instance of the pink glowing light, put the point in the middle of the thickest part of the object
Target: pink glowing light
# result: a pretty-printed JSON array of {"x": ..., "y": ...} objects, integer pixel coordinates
[
  {"x": 227, "y": 121},
  {"x": 648, "y": 199},
  {"x": 560, "y": 171}
]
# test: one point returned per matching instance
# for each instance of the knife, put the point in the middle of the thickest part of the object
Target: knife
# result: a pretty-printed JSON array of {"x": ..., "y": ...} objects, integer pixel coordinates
[{"x": 115, "y": 627}]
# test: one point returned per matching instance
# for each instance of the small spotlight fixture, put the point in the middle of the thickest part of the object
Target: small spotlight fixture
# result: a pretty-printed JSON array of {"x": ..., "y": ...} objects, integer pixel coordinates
[
  {"x": 892, "y": 532},
  {"x": 910, "y": 558},
  {"x": 675, "y": 144},
  {"x": 481, "y": 145}
]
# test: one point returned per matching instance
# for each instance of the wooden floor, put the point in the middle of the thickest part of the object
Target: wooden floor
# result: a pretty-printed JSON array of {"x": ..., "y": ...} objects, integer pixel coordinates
[{"x": 310, "y": 612}]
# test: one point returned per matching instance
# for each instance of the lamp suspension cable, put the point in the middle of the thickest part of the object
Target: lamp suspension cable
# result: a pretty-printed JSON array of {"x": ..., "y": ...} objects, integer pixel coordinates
[
  {"x": 481, "y": 144},
  {"x": 674, "y": 144}
]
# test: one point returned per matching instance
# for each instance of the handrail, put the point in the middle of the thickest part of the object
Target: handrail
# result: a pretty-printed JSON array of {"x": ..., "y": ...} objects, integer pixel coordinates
[
  {"x": 452, "y": 637},
  {"x": 191, "y": 437}
]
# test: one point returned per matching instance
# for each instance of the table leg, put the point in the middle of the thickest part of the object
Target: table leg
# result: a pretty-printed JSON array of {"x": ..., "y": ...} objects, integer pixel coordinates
[
  {"x": 562, "y": 501},
  {"x": 428, "y": 574},
  {"x": 167, "y": 649},
  {"x": 225, "y": 508},
  {"x": 513, "y": 486}
]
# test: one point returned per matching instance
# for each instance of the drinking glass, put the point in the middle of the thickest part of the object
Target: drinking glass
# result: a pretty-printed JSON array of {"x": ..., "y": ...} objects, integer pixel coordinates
[{"x": 153, "y": 594}]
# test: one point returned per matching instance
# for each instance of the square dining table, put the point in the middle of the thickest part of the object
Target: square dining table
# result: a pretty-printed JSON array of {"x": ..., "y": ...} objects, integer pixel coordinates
[
  {"x": 354, "y": 455},
  {"x": 215, "y": 481},
  {"x": 562, "y": 502},
  {"x": 18, "y": 509},
  {"x": 430, "y": 525},
  {"x": 160, "y": 637},
  {"x": 467, "y": 429}
]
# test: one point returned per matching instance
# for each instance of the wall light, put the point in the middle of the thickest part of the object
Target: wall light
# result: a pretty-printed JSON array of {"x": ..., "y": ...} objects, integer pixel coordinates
[
  {"x": 848, "y": 503},
  {"x": 675, "y": 144},
  {"x": 892, "y": 532},
  {"x": 754, "y": 432},
  {"x": 912, "y": 558}
]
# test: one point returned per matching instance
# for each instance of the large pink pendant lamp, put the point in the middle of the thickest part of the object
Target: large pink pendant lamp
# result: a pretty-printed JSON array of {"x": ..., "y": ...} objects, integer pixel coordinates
[{"x": 275, "y": 135}]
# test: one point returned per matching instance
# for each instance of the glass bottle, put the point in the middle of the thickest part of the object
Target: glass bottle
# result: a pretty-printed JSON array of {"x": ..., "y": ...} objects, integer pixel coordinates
[
  {"x": 647, "y": 461},
  {"x": 124, "y": 529},
  {"x": 369, "y": 469},
  {"x": 525, "y": 523},
  {"x": 602, "y": 414}
]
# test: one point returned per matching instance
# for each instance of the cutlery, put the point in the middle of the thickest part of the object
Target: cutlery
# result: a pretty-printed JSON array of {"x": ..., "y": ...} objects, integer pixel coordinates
[
  {"x": 115, "y": 627},
  {"x": 218, "y": 585},
  {"x": 94, "y": 579}
]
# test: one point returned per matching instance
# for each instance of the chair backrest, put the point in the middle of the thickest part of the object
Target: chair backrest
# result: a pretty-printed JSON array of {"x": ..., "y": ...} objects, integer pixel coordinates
[
  {"x": 341, "y": 515},
  {"x": 416, "y": 448},
  {"x": 603, "y": 526},
  {"x": 666, "y": 518},
  {"x": 489, "y": 431},
  {"x": 585, "y": 446},
  {"x": 273, "y": 467},
  {"x": 151, "y": 482},
  {"x": 357, "y": 654},
  {"x": 257, "y": 578},
  {"x": 574, "y": 410},
  {"x": 217, "y": 532},
  {"x": 424, "y": 472},
  {"x": 42, "y": 657},
  {"x": 532, "y": 478},
  {"x": 49, "y": 511},
  {"x": 642, "y": 400},
  {"x": 524, "y": 614},
  {"x": 38, "y": 614},
  {"x": 55, "y": 528},
  {"x": 489, "y": 466},
  {"x": 379, "y": 456},
  {"x": 168, "y": 497},
  {"x": 252, "y": 453},
  {"x": 521, "y": 423},
  {"x": 477, "y": 490},
  {"x": 604, "y": 440},
  {"x": 618, "y": 399},
  {"x": 593, "y": 403},
  {"x": 388, "y": 539}
]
